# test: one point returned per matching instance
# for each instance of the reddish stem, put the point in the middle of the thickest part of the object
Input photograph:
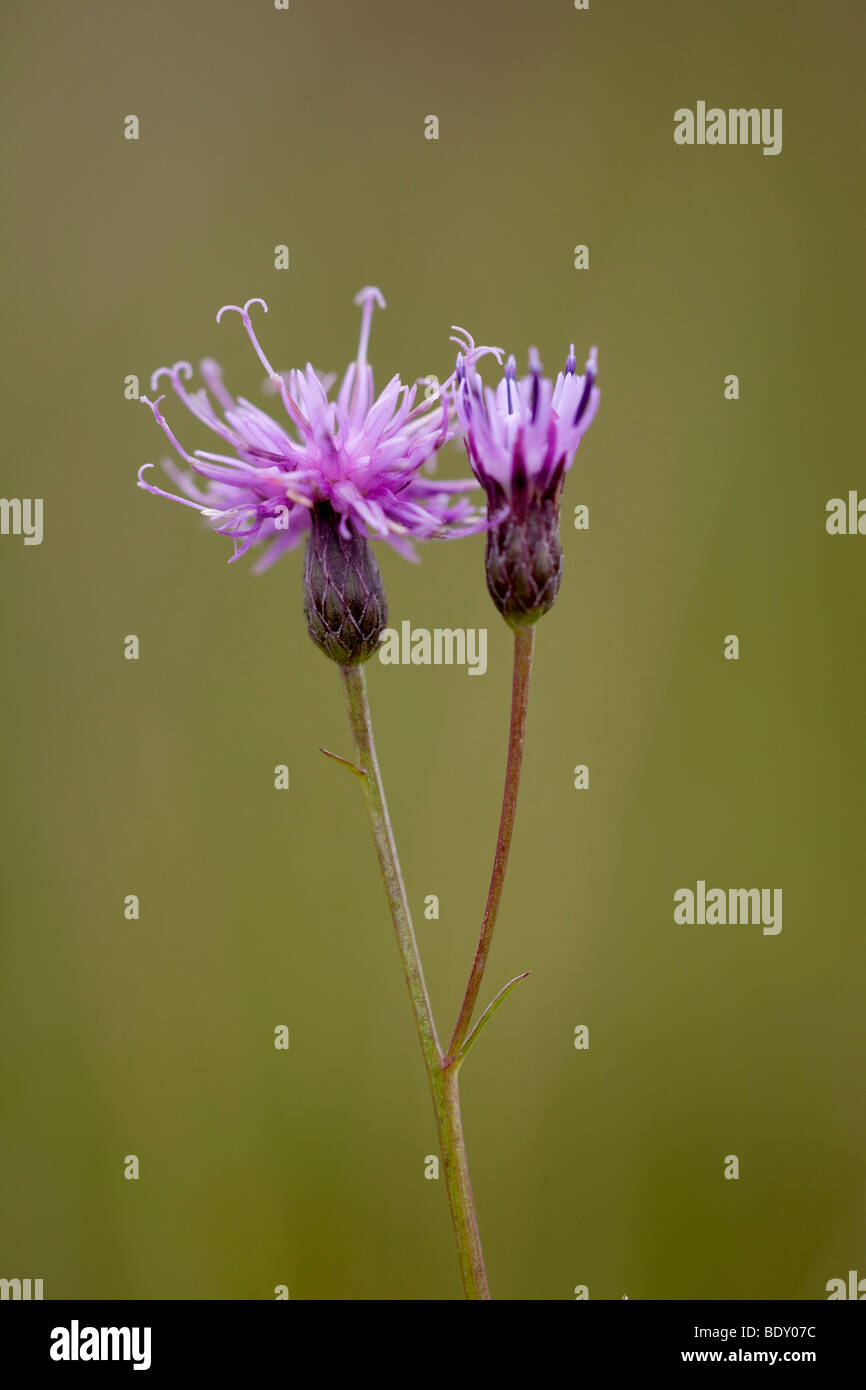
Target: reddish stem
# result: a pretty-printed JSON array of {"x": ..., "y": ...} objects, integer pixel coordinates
[{"x": 524, "y": 639}]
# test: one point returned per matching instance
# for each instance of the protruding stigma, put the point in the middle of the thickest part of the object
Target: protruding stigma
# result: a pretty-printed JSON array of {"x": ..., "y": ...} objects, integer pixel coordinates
[
  {"x": 368, "y": 298},
  {"x": 535, "y": 368},
  {"x": 510, "y": 375}
]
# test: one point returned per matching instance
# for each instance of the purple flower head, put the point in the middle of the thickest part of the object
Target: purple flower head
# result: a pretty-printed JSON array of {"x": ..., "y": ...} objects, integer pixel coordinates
[
  {"x": 358, "y": 455},
  {"x": 521, "y": 440}
]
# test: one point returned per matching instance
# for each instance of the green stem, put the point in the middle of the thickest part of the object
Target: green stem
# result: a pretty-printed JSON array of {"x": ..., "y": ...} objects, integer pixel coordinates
[
  {"x": 524, "y": 641},
  {"x": 442, "y": 1076}
]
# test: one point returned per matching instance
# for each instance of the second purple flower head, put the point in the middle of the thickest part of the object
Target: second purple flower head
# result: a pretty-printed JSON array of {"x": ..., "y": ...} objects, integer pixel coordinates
[{"x": 521, "y": 439}]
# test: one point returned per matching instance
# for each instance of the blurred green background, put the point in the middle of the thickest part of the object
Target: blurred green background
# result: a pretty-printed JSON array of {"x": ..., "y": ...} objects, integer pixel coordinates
[{"x": 260, "y": 907}]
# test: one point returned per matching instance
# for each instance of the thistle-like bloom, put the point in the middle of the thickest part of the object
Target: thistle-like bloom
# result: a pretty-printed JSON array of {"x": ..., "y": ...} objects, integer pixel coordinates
[
  {"x": 357, "y": 456},
  {"x": 521, "y": 440}
]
